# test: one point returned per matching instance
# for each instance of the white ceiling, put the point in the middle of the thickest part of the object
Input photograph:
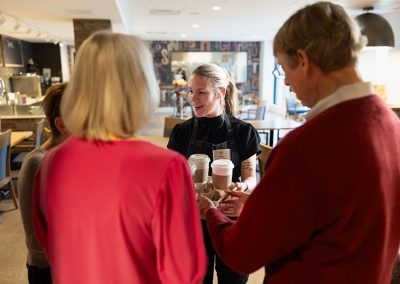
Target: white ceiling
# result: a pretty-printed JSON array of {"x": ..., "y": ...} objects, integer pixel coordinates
[{"x": 238, "y": 20}]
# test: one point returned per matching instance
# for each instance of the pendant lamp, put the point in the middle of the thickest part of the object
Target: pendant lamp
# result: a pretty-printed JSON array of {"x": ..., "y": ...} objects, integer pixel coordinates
[{"x": 376, "y": 28}]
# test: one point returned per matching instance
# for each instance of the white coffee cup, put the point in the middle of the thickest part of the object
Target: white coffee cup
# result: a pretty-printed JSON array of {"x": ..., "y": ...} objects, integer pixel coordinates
[
  {"x": 222, "y": 173},
  {"x": 202, "y": 165}
]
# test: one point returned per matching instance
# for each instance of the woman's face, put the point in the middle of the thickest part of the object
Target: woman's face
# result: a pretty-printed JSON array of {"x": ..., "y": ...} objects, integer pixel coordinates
[{"x": 205, "y": 102}]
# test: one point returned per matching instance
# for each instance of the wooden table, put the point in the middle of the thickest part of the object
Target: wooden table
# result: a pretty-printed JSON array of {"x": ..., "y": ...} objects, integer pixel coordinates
[
  {"x": 273, "y": 123},
  {"x": 157, "y": 140},
  {"x": 18, "y": 136}
]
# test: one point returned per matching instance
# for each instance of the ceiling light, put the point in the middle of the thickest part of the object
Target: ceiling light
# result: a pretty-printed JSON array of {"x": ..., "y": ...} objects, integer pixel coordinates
[
  {"x": 183, "y": 35},
  {"x": 195, "y": 26},
  {"x": 376, "y": 28},
  {"x": 216, "y": 8}
]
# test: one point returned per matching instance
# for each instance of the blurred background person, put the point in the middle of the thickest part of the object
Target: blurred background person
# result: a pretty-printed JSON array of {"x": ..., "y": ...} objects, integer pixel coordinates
[
  {"x": 212, "y": 95},
  {"x": 37, "y": 264},
  {"x": 326, "y": 210},
  {"x": 109, "y": 207},
  {"x": 31, "y": 66}
]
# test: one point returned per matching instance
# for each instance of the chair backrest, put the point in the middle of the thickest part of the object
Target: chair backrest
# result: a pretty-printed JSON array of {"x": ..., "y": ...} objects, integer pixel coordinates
[
  {"x": 169, "y": 123},
  {"x": 5, "y": 150},
  {"x": 294, "y": 106},
  {"x": 262, "y": 157},
  {"x": 291, "y": 103},
  {"x": 37, "y": 136},
  {"x": 261, "y": 109}
]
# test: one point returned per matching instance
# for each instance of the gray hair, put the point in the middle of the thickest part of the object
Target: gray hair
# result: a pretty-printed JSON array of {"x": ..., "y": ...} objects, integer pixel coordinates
[{"x": 329, "y": 37}]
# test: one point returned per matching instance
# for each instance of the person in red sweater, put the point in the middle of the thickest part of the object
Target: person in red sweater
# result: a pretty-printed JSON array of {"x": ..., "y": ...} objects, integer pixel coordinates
[
  {"x": 109, "y": 207},
  {"x": 327, "y": 209}
]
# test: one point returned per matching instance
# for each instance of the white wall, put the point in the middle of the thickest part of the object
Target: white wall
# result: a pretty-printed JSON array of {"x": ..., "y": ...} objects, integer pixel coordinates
[{"x": 267, "y": 65}]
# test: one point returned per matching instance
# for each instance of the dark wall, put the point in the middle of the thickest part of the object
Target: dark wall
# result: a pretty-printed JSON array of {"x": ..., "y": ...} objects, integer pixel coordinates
[
  {"x": 7, "y": 72},
  {"x": 47, "y": 55}
]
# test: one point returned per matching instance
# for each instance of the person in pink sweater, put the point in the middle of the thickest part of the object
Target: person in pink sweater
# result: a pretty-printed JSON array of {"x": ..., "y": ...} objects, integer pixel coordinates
[
  {"x": 109, "y": 207},
  {"x": 327, "y": 209}
]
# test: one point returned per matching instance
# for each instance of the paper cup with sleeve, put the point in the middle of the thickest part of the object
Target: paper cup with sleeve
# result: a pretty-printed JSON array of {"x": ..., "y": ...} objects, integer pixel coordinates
[
  {"x": 222, "y": 174},
  {"x": 201, "y": 162}
]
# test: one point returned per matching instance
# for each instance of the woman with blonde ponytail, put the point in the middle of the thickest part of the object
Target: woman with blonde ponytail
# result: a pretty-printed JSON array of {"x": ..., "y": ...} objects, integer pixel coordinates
[{"x": 213, "y": 97}]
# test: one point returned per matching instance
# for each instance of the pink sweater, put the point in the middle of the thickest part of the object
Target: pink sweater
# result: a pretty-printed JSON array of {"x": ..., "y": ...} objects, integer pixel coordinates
[
  {"x": 327, "y": 210},
  {"x": 118, "y": 212}
]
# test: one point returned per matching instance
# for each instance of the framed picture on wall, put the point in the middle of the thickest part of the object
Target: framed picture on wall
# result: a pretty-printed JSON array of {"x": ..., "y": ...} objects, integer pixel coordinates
[{"x": 12, "y": 52}]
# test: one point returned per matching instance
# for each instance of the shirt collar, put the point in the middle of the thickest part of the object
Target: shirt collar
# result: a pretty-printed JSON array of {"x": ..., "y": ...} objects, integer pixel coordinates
[{"x": 344, "y": 93}]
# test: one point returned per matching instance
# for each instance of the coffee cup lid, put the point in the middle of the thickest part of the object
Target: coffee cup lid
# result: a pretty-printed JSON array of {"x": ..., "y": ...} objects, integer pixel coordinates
[
  {"x": 198, "y": 157},
  {"x": 222, "y": 163}
]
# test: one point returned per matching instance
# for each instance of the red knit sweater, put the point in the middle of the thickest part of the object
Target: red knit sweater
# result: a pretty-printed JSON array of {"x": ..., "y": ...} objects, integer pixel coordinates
[{"x": 327, "y": 210}]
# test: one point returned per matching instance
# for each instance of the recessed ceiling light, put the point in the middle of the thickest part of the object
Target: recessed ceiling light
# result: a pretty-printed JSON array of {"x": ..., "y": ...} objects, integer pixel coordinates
[
  {"x": 195, "y": 26},
  {"x": 183, "y": 35},
  {"x": 164, "y": 12},
  {"x": 255, "y": 36},
  {"x": 216, "y": 8}
]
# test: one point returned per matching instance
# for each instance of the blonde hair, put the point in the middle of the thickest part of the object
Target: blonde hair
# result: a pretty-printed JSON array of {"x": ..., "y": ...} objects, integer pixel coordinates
[
  {"x": 219, "y": 78},
  {"x": 113, "y": 89},
  {"x": 329, "y": 37}
]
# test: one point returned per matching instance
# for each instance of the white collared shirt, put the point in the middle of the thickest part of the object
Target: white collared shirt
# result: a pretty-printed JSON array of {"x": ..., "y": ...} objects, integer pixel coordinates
[{"x": 344, "y": 93}]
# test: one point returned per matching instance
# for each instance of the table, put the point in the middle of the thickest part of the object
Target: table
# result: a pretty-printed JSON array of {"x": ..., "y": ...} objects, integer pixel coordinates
[
  {"x": 274, "y": 123},
  {"x": 157, "y": 140},
  {"x": 18, "y": 136}
]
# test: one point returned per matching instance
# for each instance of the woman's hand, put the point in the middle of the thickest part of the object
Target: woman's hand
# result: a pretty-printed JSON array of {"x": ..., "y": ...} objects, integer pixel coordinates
[
  {"x": 233, "y": 206},
  {"x": 239, "y": 186},
  {"x": 204, "y": 204}
]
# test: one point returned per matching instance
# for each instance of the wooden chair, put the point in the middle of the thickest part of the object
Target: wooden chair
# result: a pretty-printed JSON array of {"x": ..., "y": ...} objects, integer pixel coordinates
[
  {"x": 169, "y": 123},
  {"x": 294, "y": 108},
  {"x": 25, "y": 147},
  {"x": 259, "y": 114},
  {"x": 32, "y": 143},
  {"x": 5, "y": 169},
  {"x": 262, "y": 158}
]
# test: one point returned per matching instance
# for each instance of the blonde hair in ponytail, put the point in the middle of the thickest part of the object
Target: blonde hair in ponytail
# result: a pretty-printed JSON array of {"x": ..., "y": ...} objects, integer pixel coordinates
[{"x": 219, "y": 78}]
